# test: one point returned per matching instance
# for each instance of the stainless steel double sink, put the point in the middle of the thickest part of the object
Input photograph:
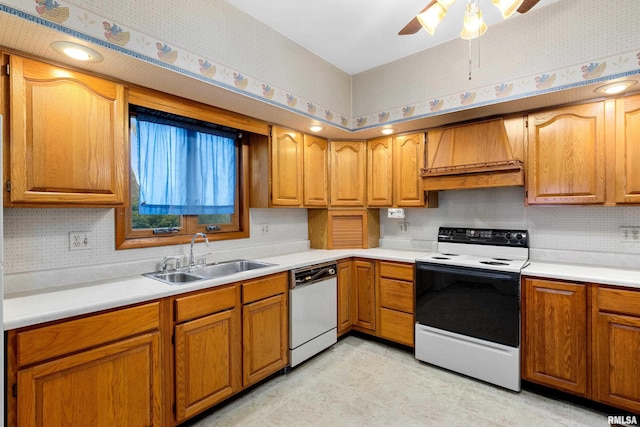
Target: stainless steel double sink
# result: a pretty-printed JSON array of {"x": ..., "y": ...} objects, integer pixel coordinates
[{"x": 207, "y": 272}]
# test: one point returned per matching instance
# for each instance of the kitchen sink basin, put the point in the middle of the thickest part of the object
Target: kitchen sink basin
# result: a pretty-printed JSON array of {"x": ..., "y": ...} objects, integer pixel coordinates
[{"x": 212, "y": 271}]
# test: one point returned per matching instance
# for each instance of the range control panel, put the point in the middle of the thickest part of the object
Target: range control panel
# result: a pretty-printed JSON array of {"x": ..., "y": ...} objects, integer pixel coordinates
[{"x": 484, "y": 236}]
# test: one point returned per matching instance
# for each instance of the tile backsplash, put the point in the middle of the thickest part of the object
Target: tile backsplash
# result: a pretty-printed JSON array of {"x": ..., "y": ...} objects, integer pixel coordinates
[{"x": 579, "y": 229}]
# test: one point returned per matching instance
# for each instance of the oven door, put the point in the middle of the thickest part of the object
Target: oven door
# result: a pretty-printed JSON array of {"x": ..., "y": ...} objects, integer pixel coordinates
[{"x": 477, "y": 303}]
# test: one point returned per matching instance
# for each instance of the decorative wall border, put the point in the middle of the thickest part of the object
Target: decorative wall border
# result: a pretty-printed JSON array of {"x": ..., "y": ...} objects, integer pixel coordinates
[{"x": 85, "y": 25}]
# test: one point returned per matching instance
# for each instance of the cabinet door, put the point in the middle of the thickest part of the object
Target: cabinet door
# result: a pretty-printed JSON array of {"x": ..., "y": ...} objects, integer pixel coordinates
[
  {"x": 567, "y": 156},
  {"x": 208, "y": 362},
  {"x": 379, "y": 172},
  {"x": 408, "y": 158},
  {"x": 113, "y": 385},
  {"x": 555, "y": 335},
  {"x": 628, "y": 149},
  {"x": 616, "y": 347},
  {"x": 348, "y": 173},
  {"x": 363, "y": 288},
  {"x": 286, "y": 167},
  {"x": 344, "y": 297},
  {"x": 264, "y": 337},
  {"x": 67, "y": 137},
  {"x": 316, "y": 171}
]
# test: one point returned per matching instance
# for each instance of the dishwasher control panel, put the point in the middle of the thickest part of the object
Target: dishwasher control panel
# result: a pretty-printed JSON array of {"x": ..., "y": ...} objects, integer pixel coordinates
[{"x": 313, "y": 273}]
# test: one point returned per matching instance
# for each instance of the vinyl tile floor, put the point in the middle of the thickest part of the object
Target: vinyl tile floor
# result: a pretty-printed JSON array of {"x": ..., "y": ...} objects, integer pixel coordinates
[{"x": 358, "y": 382}]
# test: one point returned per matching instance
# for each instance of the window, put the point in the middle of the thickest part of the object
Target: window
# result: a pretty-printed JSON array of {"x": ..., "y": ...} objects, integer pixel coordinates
[{"x": 187, "y": 175}]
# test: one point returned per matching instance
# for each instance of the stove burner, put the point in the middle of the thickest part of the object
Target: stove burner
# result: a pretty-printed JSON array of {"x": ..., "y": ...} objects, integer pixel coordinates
[
  {"x": 502, "y": 259},
  {"x": 493, "y": 263},
  {"x": 440, "y": 257}
]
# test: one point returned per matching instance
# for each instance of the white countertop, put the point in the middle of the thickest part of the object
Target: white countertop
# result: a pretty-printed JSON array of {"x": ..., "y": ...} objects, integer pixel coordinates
[
  {"x": 627, "y": 277},
  {"x": 30, "y": 308}
]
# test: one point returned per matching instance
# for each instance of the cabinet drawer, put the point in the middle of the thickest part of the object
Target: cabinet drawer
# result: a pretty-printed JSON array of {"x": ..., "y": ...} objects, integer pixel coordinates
[
  {"x": 618, "y": 301},
  {"x": 67, "y": 337},
  {"x": 265, "y": 287},
  {"x": 396, "y": 294},
  {"x": 204, "y": 303},
  {"x": 397, "y": 326},
  {"x": 396, "y": 271}
]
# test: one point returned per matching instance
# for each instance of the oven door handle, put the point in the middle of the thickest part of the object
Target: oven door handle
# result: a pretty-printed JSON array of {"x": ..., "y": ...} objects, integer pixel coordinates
[{"x": 487, "y": 274}]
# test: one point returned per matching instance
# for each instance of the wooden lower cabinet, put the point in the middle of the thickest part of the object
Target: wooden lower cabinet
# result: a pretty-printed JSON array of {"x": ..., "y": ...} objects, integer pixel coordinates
[
  {"x": 345, "y": 301},
  {"x": 265, "y": 320},
  {"x": 555, "y": 334},
  {"x": 363, "y": 295},
  {"x": 616, "y": 347},
  {"x": 396, "y": 302},
  {"x": 100, "y": 370},
  {"x": 591, "y": 352},
  {"x": 207, "y": 349}
]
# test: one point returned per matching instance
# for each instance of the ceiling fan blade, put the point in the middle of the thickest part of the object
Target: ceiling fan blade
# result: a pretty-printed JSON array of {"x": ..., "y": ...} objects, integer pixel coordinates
[
  {"x": 526, "y": 5},
  {"x": 414, "y": 25}
]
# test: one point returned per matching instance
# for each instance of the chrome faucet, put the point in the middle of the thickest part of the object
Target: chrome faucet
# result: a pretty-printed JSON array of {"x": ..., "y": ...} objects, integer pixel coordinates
[
  {"x": 166, "y": 260},
  {"x": 192, "y": 262}
]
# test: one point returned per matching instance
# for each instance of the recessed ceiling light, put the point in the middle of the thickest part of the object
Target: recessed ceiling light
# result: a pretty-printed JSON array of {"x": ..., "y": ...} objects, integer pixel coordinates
[
  {"x": 387, "y": 131},
  {"x": 77, "y": 51},
  {"x": 615, "y": 87},
  {"x": 315, "y": 128}
]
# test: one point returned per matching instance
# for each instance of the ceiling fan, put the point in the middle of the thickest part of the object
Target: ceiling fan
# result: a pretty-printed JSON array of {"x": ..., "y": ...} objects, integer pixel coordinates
[{"x": 434, "y": 12}]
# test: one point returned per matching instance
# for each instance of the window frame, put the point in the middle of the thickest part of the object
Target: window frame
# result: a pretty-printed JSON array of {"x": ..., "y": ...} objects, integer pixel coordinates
[{"x": 126, "y": 238}]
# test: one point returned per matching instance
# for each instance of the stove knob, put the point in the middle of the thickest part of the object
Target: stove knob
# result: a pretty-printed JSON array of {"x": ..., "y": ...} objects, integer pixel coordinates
[
  {"x": 507, "y": 236},
  {"x": 519, "y": 236}
]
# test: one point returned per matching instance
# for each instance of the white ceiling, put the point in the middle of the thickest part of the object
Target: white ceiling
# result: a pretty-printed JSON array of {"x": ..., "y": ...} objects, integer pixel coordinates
[{"x": 357, "y": 35}]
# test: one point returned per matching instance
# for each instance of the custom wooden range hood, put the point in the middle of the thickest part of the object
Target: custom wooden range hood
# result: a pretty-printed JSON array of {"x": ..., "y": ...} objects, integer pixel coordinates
[{"x": 477, "y": 155}]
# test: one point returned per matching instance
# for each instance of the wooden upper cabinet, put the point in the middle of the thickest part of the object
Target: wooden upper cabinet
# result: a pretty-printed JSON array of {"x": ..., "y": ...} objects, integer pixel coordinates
[
  {"x": 408, "y": 158},
  {"x": 380, "y": 172},
  {"x": 68, "y": 144},
  {"x": 316, "y": 172},
  {"x": 628, "y": 149},
  {"x": 286, "y": 167},
  {"x": 348, "y": 173},
  {"x": 566, "y": 163}
]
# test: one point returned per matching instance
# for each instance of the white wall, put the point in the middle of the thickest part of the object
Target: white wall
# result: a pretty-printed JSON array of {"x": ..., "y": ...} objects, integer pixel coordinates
[{"x": 575, "y": 233}]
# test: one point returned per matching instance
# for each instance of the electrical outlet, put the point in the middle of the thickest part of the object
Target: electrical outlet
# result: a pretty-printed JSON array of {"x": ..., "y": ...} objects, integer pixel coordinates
[
  {"x": 404, "y": 227},
  {"x": 630, "y": 234},
  {"x": 264, "y": 228},
  {"x": 80, "y": 240}
]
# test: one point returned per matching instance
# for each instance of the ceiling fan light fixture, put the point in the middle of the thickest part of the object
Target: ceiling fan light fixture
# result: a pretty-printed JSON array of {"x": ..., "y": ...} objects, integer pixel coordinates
[
  {"x": 507, "y": 7},
  {"x": 474, "y": 26},
  {"x": 430, "y": 18}
]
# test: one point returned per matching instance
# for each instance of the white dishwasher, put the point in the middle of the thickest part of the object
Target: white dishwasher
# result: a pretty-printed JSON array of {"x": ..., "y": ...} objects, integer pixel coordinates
[{"x": 313, "y": 311}]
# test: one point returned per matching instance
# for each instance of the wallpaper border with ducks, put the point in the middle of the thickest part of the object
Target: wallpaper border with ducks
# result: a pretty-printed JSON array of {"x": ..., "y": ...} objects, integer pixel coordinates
[{"x": 104, "y": 32}]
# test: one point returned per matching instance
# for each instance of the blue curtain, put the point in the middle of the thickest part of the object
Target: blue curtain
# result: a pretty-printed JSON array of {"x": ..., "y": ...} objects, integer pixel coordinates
[{"x": 182, "y": 171}]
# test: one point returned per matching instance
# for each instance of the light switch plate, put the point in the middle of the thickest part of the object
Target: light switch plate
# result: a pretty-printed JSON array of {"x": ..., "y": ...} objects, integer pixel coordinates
[{"x": 395, "y": 213}]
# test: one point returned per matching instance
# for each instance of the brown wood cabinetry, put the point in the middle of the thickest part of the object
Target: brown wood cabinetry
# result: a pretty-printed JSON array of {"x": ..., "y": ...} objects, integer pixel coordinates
[
  {"x": 364, "y": 294},
  {"x": 289, "y": 169},
  {"x": 555, "y": 334},
  {"x": 396, "y": 302},
  {"x": 286, "y": 167},
  {"x": 615, "y": 321},
  {"x": 316, "y": 172},
  {"x": 208, "y": 349},
  {"x": 566, "y": 155},
  {"x": 265, "y": 329},
  {"x": 68, "y": 144},
  {"x": 104, "y": 369},
  {"x": 345, "y": 297},
  {"x": 380, "y": 172},
  {"x": 348, "y": 166},
  {"x": 628, "y": 149}
]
